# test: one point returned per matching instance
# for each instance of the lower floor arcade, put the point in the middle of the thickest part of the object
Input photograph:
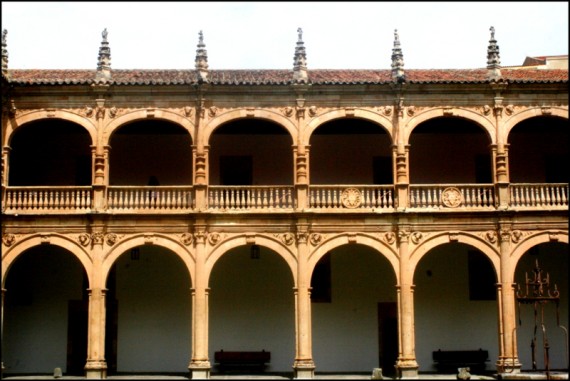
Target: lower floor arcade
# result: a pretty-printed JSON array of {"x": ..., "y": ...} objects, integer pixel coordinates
[{"x": 252, "y": 303}]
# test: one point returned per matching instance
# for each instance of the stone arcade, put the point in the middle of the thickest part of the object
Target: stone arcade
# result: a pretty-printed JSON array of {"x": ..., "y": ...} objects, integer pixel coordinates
[{"x": 343, "y": 220}]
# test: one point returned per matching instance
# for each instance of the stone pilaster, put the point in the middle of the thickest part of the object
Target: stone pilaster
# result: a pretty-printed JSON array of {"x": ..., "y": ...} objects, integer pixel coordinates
[
  {"x": 400, "y": 154},
  {"x": 304, "y": 365}
]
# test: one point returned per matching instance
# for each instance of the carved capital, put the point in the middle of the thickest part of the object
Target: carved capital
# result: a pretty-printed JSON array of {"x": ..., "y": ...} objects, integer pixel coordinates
[
  {"x": 302, "y": 237},
  {"x": 97, "y": 238}
]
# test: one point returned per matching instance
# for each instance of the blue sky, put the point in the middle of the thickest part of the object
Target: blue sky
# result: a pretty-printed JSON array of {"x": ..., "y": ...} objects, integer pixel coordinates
[{"x": 263, "y": 35}]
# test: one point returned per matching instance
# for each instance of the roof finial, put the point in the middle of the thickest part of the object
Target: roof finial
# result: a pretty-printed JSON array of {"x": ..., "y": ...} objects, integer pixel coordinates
[
  {"x": 398, "y": 74},
  {"x": 493, "y": 58},
  {"x": 104, "y": 62},
  {"x": 201, "y": 59},
  {"x": 4, "y": 53},
  {"x": 300, "y": 74}
]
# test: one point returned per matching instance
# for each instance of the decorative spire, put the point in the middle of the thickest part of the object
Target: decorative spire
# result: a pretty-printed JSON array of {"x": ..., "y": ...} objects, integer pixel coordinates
[
  {"x": 398, "y": 74},
  {"x": 493, "y": 59},
  {"x": 4, "y": 53},
  {"x": 104, "y": 61},
  {"x": 202, "y": 60},
  {"x": 300, "y": 74}
]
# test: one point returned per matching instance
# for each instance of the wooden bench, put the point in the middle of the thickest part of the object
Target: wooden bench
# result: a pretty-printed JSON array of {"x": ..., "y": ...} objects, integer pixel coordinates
[
  {"x": 237, "y": 360},
  {"x": 450, "y": 361}
]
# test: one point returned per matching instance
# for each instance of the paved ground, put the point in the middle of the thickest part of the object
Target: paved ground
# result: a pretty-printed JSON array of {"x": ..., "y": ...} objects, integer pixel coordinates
[{"x": 246, "y": 377}]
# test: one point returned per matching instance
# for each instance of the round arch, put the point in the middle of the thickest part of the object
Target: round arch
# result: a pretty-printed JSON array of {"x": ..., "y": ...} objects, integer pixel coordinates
[
  {"x": 144, "y": 239},
  {"x": 469, "y": 115},
  {"x": 532, "y": 240},
  {"x": 11, "y": 254},
  {"x": 243, "y": 240},
  {"x": 139, "y": 115},
  {"x": 229, "y": 116},
  {"x": 489, "y": 250},
  {"x": 363, "y": 114},
  {"x": 516, "y": 118},
  {"x": 363, "y": 239},
  {"x": 39, "y": 115}
]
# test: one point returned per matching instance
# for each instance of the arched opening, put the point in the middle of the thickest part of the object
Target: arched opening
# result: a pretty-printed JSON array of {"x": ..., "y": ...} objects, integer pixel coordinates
[
  {"x": 251, "y": 152},
  {"x": 150, "y": 152},
  {"x": 45, "y": 313},
  {"x": 450, "y": 150},
  {"x": 50, "y": 152},
  {"x": 354, "y": 311},
  {"x": 538, "y": 151},
  {"x": 455, "y": 304},
  {"x": 552, "y": 260},
  {"x": 351, "y": 151},
  {"x": 149, "y": 306},
  {"x": 252, "y": 307}
]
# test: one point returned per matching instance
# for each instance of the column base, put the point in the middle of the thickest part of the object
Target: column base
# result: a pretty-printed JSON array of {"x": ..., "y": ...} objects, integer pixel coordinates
[
  {"x": 509, "y": 365},
  {"x": 200, "y": 369},
  {"x": 304, "y": 369},
  {"x": 407, "y": 369},
  {"x": 95, "y": 369}
]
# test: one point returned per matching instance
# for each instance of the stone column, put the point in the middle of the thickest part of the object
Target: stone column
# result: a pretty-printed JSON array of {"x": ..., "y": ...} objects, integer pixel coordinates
[
  {"x": 304, "y": 365},
  {"x": 96, "y": 366},
  {"x": 406, "y": 365},
  {"x": 200, "y": 364},
  {"x": 508, "y": 357},
  {"x": 301, "y": 165}
]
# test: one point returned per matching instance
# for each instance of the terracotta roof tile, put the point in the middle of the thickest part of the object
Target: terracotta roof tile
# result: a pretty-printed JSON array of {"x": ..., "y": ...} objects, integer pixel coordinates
[{"x": 279, "y": 77}]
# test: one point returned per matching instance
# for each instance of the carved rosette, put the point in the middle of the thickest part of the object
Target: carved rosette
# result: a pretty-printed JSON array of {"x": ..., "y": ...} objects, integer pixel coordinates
[
  {"x": 111, "y": 239},
  {"x": 416, "y": 237},
  {"x": 84, "y": 239},
  {"x": 214, "y": 238},
  {"x": 451, "y": 197},
  {"x": 212, "y": 111},
  {"x": 312, "y": 111},
  {"x": 8, "y": 239},
  {"x": 351, "y": 198},
  {"x": 316, "y": 238},
  {"x": 186, "y": 239},
  {"x": 491, "y": 236},
  {"x": 516, "y": 236},
  {"x": 288, "y": 111},
  {"x": 390, "y": 237},
  {"x": 287, "y": 238},
  {"x": 188, "y": 111}
]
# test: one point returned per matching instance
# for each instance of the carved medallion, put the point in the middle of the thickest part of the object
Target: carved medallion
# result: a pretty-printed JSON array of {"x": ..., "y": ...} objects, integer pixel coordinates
[
  {"x": 451, "y": 197},
  {"x": 351, "y": 198}
]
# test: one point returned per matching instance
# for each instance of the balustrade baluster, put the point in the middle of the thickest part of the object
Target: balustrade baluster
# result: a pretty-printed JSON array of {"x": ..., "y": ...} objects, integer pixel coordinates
[
  {"x": 558, "y": 196},
  {"x": 563, "y": 195}
]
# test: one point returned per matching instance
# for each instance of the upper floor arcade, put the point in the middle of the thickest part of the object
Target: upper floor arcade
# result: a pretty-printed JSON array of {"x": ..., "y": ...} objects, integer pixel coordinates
[{"x": 429, "y": 161}]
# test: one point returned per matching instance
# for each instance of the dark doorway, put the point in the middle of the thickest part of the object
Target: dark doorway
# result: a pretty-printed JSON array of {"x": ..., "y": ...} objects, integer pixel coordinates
[{"x": 387, "y": 337}]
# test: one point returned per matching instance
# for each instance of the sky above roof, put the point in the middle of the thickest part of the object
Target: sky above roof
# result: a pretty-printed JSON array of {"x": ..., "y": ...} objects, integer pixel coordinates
[{"x": 263, "y": 35}]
